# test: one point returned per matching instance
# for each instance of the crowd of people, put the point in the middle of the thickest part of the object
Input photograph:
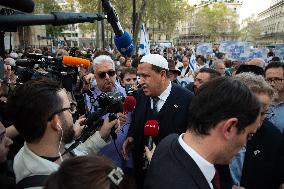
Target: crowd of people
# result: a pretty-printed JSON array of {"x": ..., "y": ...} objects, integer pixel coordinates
[{"x": 219, "y": 126}]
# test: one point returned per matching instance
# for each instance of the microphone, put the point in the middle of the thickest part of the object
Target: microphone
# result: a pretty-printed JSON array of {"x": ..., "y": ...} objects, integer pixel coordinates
[
  {"x": 151, "y": 130},
  {"x": 129, "y": 104},
  {"x": 122, "y": 39},
  {"x": 65, "y": 60},
  {"x": 75, "y": 61},
  {"x": 21, "y": 5}
]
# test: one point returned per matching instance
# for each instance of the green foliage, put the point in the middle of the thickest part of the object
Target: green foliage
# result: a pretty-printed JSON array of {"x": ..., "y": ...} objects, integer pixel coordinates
[
  {"x": 165, "y": 12},
  {"x": 47, "y": 6},
  {"x": 215, "y": 20},
  {"x": 251, "y": 30}
]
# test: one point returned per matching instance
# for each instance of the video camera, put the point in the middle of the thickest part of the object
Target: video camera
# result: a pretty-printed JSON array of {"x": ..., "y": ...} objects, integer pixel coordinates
[
  {"x": 63, "y": 69},
  {"x": 108, "y": 103}
]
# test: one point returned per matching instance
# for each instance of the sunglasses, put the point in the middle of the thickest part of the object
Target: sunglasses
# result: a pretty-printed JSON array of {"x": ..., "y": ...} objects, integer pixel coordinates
[{"x": 102, "y": 75}]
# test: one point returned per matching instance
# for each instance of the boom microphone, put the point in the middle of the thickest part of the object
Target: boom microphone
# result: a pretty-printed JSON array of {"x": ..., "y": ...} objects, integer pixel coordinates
[
  {"x": 151, "y": 130},
  {"x": 129, "y": 104},
  {"x": 122, "y": 39},
  {"x": 21, "y": 5}
]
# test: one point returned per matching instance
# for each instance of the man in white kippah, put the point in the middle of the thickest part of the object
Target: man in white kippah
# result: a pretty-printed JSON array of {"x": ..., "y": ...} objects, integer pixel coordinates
[{"x": 160, "y": 100}]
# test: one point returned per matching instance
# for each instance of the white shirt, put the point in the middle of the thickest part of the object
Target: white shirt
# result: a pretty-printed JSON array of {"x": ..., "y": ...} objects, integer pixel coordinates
[
  {"x": 27, "y": 163},
  {"x": 183, "y": 71},
  {"x": 163, "y": 97},
  {"x": 207, "y": 168}
]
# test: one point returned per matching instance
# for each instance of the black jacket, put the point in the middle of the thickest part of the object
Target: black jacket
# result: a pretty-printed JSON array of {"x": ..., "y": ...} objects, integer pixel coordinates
[
  {"x": 171, "y": 118},
  {"x": 263, "y": 166},
  {"x": 171, "y": 167}
]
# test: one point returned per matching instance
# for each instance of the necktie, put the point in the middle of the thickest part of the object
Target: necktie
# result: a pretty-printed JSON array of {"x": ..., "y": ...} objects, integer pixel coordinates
[
  {"x": 216, "y": 180},
  {"x": 155, "y": 104}
]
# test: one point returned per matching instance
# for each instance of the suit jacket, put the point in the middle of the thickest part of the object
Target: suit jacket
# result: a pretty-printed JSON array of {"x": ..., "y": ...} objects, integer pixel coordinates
[
  {"x": 171, "y": 167},
  {"x": 263, "y": 166},
  {"x": 186, "y": 71},
  {"x": 172, "y": 118}
]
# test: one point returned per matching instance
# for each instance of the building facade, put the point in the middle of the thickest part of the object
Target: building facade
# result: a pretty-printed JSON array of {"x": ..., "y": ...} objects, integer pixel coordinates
[
  {"x": 272, "y": 24},
  {"x": 186, "y": 31}
]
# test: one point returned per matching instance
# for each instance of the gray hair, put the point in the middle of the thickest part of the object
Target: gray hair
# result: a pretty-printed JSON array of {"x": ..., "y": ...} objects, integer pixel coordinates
[
  {"x": 101, "y": 59},
  {"x": 215, "y": 63},
  {"x": 256, "y": 83}
]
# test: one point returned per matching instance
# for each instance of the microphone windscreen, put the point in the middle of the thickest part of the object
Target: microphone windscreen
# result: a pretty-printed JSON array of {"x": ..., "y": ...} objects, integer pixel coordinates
[
  {"x": 151, "y": 128},
  {"x": 74, "y": 61},
  {"x": 124, "y": 44},
  {"x": 129, "y": 104}
]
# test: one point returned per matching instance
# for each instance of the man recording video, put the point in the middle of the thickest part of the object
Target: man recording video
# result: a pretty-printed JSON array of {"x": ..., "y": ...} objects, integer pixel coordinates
[{"x": 40, "y": 111}]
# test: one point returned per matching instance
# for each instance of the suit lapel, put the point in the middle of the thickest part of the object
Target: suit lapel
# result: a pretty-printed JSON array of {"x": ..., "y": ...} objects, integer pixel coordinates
[
  {"x": 190, "y": 166},
  {"x": 171, "y": 101}
]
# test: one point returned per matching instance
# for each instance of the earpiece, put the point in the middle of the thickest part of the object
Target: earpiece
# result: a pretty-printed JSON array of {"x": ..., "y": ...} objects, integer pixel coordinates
[{"x": 59, "y": 127}]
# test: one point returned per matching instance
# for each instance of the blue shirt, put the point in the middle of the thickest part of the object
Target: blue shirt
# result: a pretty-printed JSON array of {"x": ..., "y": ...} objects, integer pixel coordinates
[
  {"x": 109, "y": 150},
  {"x": 236, "y": 166},
  {"x": 278, "y": 115}
]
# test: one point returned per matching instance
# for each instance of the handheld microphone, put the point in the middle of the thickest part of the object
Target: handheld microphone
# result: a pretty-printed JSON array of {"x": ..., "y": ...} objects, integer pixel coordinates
[
  {"x": 21, "y": 5},
  {"x": 122, "y": 39},
  {"x": 151, "y": 130},
  {"x": 129, "y": 104}
]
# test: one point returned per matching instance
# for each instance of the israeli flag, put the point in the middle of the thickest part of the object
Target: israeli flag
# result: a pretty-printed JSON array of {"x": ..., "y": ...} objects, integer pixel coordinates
[
  {"x": 144, "y": 47},
  {"x": 192, "y": 61}
]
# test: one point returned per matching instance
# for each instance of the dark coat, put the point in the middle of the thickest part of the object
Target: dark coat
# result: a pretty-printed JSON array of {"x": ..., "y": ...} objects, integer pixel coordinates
[
  {"x": 171, "y": 167},
  {"x": 171, "y": 118},
  {"x": 264, "y": 160}
]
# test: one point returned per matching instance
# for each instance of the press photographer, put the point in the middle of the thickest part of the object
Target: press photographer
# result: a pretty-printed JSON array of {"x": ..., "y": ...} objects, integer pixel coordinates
[{"x": 40, "y": 111}]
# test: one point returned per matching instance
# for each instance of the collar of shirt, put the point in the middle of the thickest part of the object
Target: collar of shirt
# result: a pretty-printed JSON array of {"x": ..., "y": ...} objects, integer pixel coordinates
[
  {"x": 206, "y": 167},
  {"x": 183, "y": 71},
  {"x": 163, "y": 97}
]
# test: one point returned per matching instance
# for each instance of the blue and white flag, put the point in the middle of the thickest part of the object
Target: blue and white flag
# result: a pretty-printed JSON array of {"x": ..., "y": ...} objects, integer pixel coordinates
[
  {"x": 279, "y": 51},
  {"x": 192, "y": 62},
  {"x": 235, "y": 50},
  {"x": 204, "y": 49},
  {"x": 258, "y": 53},
  {"x": 144, "y": 47}
]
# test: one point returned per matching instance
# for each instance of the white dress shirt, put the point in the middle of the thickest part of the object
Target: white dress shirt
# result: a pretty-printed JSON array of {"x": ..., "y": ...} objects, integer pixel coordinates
[
  {"x": 206, "y": 167},
  {"x": 162, "y": 98}
]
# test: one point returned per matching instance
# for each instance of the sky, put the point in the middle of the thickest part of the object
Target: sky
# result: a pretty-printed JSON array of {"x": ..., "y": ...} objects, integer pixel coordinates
[{"x": 248, "y": 8}]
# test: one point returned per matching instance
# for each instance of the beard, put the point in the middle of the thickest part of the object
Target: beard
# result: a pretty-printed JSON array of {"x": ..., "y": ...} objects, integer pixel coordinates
[
  {"x": 68, "y": 132},
  {"x": 68, "y": 135}
]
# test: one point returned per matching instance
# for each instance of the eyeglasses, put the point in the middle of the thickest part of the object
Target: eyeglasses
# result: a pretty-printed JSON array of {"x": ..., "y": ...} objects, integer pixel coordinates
[
  {"x": 102, "y": 75},
  {"x": 274, "y": 79},
  {"x": 59, "y": 111}
]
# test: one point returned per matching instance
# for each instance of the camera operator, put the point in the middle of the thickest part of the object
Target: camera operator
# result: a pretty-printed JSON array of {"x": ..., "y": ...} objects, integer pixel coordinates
[
  {"x": 40, "y": 111},
  {"x": 128, "y": 79}
]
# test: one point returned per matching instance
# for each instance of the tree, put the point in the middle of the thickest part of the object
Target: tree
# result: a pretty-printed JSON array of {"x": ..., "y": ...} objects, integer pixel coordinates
[
  {"x": 47, "y": 6},
  {"x": 216, "y": 20},
  {"x": 165, "y": 12},
  {"x": 251, "y": 30}
]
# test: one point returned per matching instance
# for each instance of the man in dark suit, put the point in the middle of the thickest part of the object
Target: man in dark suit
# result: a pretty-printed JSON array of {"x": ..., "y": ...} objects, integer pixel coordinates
[
  {"x": 261, "y": 163},
  {"x": 159, "y": 99},
  {"x": 217, "y": 129}
]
